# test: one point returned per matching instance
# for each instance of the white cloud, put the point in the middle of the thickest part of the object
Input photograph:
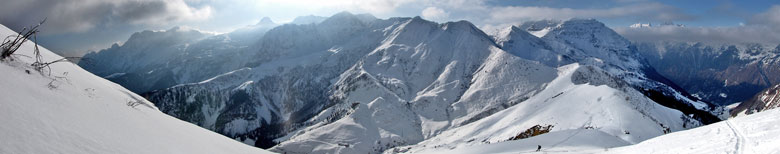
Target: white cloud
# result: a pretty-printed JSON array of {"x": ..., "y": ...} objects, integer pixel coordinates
[
  {"x": 769, "y": 18},
  {"x": 762, "y": 28},
  {"x": 434, "y": 13},
  {"x": 654, "y": 11},
  {"x": 741, "y": 34}
]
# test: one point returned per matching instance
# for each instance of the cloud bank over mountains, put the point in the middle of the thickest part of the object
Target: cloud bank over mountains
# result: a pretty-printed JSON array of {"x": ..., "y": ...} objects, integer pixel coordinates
[
  {"x": 95, "y": 24},
  {"x": 763, "y": 28}
]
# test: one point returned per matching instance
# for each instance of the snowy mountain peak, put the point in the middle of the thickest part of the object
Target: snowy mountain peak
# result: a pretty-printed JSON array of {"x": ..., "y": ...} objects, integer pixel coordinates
[
  {"x": 574, "y": 27},
  {"x": 417, "y": 20},
  {"x": 524, "y": 44},
  {"x": 592, "y": 37},
  {"x": 539, "y": 28},
  {"x": 366, "y": 17},
  {"x": 594, "y": 31},
  {"x": 463, "y": 26},
  {"x": 539, "y": 25}
]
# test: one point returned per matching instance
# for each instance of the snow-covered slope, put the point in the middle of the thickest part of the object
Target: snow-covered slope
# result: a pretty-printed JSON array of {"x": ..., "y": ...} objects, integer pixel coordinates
[
  {"x": 594, "y": 103},
  {"x": 74, "y": 111},
  {"x": 755, "y": 133}
]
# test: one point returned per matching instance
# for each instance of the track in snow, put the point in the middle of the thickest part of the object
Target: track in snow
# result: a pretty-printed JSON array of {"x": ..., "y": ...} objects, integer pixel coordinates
[{"x": 740, "y": 145}]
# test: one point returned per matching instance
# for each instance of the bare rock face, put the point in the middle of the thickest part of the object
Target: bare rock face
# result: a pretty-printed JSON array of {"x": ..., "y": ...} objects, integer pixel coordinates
[{"x": 765, "y": 100}]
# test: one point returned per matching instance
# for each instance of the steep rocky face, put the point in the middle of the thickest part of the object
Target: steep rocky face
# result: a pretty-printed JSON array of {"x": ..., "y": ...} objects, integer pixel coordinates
[
  {"x": 722, "y": 74},
  {"x": 764, "y": 100}
]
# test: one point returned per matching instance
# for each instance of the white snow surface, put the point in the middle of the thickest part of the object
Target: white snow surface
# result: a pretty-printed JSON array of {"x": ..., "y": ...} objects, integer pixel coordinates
[
  {"x": 612, "y": 113},
  {"x": 566, "y": 141},
  {"x": 74, "y": 111},
  {"x": 756, "y": 133}
]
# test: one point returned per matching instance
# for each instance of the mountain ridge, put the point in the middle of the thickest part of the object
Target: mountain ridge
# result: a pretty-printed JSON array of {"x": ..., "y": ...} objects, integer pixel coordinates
[{"x": 345, "y": 74}]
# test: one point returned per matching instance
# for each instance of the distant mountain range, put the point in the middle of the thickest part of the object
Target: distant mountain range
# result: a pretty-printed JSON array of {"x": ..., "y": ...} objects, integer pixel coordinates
[
  {"x": 719, "y": 73},
  {"x": 357, "y": 84}
]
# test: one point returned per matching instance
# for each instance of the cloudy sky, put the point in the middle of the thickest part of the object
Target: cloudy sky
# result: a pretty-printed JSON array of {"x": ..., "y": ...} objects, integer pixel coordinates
[{"x": 76, "y": 26}]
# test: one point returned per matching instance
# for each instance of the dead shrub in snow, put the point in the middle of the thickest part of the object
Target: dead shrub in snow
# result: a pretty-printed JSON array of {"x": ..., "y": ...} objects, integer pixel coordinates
[{"x": 13, "y": 42}]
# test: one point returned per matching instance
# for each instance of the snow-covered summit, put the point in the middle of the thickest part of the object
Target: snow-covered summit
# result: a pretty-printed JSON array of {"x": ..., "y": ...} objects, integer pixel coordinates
[
  {"x": 579, "y": 39},
  {"x": 594, "y": 32},
  {"x": 539, "y": 28},
  {"x": 524, "y": 44}
]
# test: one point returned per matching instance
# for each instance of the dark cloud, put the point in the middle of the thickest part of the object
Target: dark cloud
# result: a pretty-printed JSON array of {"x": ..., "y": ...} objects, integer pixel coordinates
[
  {"x": 82, "y": 15},
  {"x": 135, "y": 11}
]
